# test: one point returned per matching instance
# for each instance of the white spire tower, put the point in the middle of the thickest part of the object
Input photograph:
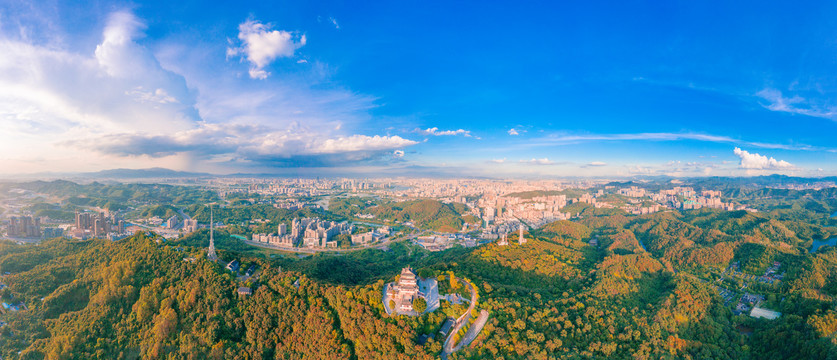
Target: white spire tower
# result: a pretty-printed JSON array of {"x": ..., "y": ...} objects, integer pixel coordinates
[
  {"x": 520, "y": 239},
  {"x": 210, "y": 254}
]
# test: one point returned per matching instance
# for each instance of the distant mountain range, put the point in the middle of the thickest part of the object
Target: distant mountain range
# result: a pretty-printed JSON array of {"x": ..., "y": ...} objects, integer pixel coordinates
[
  {"x": 141, "y": 173},
  {"x": 151, "y": 173}
]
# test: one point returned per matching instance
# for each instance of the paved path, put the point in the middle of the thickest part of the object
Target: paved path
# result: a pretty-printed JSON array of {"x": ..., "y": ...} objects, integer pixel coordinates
[
  {"x": 385, "y": 300},
  {"x": 473, "y": 331},
  {"x": 449, "y": 347}
]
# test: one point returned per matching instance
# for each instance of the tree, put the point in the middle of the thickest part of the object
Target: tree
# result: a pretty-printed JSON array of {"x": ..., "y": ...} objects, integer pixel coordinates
[
  {"x": 419, "y": 305},
  {"x": 454, "y": 283}
]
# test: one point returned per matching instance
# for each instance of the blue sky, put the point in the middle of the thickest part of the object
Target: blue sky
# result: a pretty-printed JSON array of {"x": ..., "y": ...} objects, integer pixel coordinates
[{"x": 389, "y": 88}]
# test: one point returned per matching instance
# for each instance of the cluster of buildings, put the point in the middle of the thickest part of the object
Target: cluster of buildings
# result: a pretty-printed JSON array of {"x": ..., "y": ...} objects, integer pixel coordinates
[
  {"x": 539, "y": 210},
  {"x": 748, "y": 302},
  {"x": 24, "y": 226},
  {"x": 771, "y": 274},
  {"x": 172, "y": 222},
  {"x": 96, "y": 224},
  {"x": 371, "y": 236},
  {"x": 443, "y": 242},
  {"x": 459, "y": 190},
  {"x": 306, "y": 232},
  {"x": 190, "y": 225},
  {"x": 292, "y": 187},
  {"x": 686, "y": 198}
]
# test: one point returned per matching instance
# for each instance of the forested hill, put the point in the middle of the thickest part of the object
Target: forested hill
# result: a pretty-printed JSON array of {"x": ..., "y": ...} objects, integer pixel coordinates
[
  {"x": 137, "y": 299},
  {"x": 648, "y": 290}
]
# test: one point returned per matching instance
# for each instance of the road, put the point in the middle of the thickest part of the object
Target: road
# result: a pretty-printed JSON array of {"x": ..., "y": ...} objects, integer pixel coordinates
[
  {"x": 185, "y": 217},
  {"x": 473, "y": 331},
  {"x": 385, "y": 300},
  {"x": 449, "y": 347}
]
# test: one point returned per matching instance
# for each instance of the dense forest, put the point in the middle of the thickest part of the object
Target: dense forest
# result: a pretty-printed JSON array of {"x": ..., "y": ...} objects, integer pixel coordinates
[
  {"x": 604, "y": 285},
  {"x": 554, "y": 297}
]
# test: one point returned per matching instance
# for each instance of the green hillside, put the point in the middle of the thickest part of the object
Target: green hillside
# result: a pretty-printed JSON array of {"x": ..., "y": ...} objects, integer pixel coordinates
[{"x": 556, "y": 296}]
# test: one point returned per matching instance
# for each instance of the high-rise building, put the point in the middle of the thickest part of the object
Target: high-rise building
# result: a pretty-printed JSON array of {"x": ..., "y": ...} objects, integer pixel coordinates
[
  {"x": 24, "y": 226},
  {"x": 97, "y": 227}
]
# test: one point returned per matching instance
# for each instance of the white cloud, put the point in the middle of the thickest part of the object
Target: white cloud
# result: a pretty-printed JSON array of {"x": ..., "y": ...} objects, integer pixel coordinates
[
  {"x": 118, "y": 53},
  {"x": 434, "y": 131},
  {"x": 334, "y": 22},
  {"x": 563, "y": 139},
  {"x": 512, "y": 131},
  {"x": 597, "y": 163},
  {"x": 498, "y": 161},
  {"x": 398, "y": 153},
  {"x": 62, "y": 110},
  {"x": 794, "y": 105},
  {"x": 55, "y": 89},
  {"x": 260, "y": 46},
  {"x": 157, "y": 96},
  {"x": 296, "y": 146},
  {"x": 357, "y": 143},
  {"x": 753, "y": 161},
  {"x": 544, "y": 161}
]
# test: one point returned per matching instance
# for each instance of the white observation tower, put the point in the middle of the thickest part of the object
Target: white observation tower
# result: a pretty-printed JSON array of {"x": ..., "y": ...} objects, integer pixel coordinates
[{"x": 210, "y": 253}]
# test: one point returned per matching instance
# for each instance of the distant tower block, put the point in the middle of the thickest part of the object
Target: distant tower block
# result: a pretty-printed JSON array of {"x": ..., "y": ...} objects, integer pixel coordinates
[
  {"x": 520, "y": 239},
  {"x": 210, "y": 253}
]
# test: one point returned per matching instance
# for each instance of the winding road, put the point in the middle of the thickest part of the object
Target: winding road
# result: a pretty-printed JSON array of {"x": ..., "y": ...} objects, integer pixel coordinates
[{"x": 449, "y": 347}]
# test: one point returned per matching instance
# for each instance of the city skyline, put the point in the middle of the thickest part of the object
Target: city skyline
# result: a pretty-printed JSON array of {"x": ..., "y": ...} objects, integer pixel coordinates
[{"x": 377, "y": 88}]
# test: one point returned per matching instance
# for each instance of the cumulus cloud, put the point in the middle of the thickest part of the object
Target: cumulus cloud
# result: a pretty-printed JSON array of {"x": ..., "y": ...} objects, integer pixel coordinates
[
  {"x": 49, "y": 88},
  {"x": 255, "y": 143},
  {"x": 118, "y": 53},
  {"x": 63, "y": 110},
  {"x": 434, "y": 131},
  {"x": 753, "y": 161},
  {"x": 513, "y": 132},
  {"x": 260, "y": 46}
]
